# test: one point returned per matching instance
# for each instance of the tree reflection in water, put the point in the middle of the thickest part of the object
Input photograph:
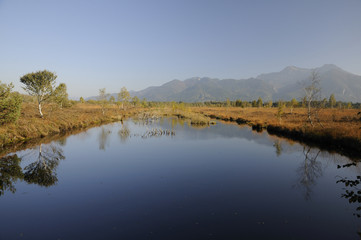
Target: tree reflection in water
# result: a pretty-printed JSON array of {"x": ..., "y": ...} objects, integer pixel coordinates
[
  {"x": 43, "y": 170},
  {"x": 309, "y": 171},
  {"x": 10, "y": 172},
  {"x": 124, "y": 133},
  {"x": 278, "y": 146},
  {"x": 103, "y": 138}
]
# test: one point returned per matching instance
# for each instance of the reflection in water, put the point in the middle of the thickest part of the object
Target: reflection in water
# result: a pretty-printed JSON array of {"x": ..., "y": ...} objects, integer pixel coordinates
[
  {"x": 10, "y": 172},
  {"x": 309, "y": 171},
  {"x": 43, "y": 170},
  {"x": 124, "y": 133},
  {"x": 62, "y": 141},
  {"x": 103, "y": 138},
  {"x": 189, "y": 186},
  {"x": 176, "y": 121},
  {"x": 278, "y": 146}
]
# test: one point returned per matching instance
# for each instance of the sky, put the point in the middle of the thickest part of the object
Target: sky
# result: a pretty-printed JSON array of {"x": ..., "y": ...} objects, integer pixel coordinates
[{"x": 110, "y": 44}]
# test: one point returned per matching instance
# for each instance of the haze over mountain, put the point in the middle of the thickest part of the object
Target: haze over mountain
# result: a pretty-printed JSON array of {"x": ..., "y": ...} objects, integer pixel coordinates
[{"x": 286, "y": 84}]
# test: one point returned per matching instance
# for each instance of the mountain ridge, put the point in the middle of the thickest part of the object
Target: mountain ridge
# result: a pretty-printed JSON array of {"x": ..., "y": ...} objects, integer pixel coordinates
[{"x": 285, "y": 84}]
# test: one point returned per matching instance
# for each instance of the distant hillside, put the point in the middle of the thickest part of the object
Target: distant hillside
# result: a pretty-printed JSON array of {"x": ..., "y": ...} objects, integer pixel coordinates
[
  {"x": 208, "y": 89},
  {"x": 286, "y": 84}
]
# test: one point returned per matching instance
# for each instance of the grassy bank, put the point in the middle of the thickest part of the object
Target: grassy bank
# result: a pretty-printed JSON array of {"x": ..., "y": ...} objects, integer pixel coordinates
[
  {"x": 338, "y": 129},
  {"x": 30, "y": 126},
  {"x": 194, "y": 118}
]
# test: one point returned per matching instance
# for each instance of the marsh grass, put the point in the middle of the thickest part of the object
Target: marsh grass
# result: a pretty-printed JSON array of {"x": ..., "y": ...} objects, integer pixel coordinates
[
  {"x": 55, "y": 121},
  {"x": 337, "y": 128}
]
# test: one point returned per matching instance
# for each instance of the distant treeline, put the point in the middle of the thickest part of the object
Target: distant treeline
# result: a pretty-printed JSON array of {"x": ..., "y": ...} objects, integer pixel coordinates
[{"x": 238, "y": 103}]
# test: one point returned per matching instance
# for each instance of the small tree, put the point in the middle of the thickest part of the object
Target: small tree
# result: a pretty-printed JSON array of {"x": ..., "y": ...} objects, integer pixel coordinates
[
  {"x": 269, "y": 104},
  {"x": 102, "y": 99},
  {"x": 123, "y": 97},
  {"x": 112, "y": 99},
  {"x": 40, "y": 84},
  {"x": 144, "y": 103},
  {"x": 82, "y": 100},
  {"x": 259, "y": 102},
  {"x": 228, "y": 103},
  {"x": 280, "y": 110},
  {"x": 312, "y": 91},
  {"x": 349, "y": 105},
  {"x": 60, "y": 96},
  {"x": 293, "y": 104},
  {"x": 254, "y": 103},
  {"x": 324, "y": 103},
  {"x": 135, "y": 101},
  {"x": 332, "y": 101},
  {"x": 10, "y": 104}
]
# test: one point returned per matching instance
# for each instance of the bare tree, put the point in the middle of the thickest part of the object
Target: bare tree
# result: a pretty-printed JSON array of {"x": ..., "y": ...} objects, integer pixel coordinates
[
  {"x": 102, "y": 99},
  {"x": 312, "y": 96}
]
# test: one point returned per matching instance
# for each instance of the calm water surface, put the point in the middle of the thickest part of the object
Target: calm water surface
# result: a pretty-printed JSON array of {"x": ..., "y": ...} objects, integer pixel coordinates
[{"x": 128, "y": 181}]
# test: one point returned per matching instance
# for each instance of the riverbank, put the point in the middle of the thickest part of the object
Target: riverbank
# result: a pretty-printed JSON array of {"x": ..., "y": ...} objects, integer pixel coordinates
[
  {"x": 56, "y": 121},
  {"x": 338, "y": 130}
]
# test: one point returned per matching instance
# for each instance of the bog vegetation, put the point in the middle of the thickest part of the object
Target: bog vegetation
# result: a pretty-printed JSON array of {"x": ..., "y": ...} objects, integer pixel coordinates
[{"x": 48, "y": 111}]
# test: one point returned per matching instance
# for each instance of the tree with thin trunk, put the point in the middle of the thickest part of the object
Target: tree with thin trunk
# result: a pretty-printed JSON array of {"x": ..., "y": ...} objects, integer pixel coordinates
[
  {"x": 135, "y": 101},
  {"x": 259, "y": 102},
  {"x": 124, "y": 97},
  {"x": 112, "y": 99},
  {"x": 60, "y": 95},
  {"x": 40, "y": 84},
  {"x": 102, "y": 98},
  {"x": 293, "y": 104},
  {"x": 332, "y": 100},
  {"x": 312, "y": 91}
]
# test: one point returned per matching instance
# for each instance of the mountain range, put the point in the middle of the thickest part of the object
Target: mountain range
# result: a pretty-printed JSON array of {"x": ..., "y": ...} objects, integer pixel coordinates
[{"x": 285, "y": 85}]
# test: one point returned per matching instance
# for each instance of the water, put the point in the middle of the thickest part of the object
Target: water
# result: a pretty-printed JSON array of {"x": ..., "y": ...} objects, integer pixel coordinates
[{"x": 128, "y": 181}]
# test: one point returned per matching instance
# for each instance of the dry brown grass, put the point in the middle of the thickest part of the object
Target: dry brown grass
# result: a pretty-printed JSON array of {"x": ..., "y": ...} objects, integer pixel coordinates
[
  {"x": 194, "y": 118},
  {"x": 340, "y": 128},
  {"x": 30, "y": 125}
]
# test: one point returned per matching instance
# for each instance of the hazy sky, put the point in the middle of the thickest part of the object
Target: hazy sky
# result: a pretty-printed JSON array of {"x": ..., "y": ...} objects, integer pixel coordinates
[{"x": 136, "y": 44}]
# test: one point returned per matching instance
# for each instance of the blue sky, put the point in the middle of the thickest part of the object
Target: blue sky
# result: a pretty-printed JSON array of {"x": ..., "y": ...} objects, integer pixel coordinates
[{"x": 136, "y": 44}]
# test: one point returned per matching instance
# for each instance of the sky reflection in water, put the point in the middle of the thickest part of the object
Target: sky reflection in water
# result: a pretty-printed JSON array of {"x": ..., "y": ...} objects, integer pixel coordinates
[{"x": 166, "y": 180}]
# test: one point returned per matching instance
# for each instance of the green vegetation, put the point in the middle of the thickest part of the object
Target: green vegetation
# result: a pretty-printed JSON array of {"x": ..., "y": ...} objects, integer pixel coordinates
[
  {"x": 10, "y": 104},
  {"x": 332, "y": 101},
  {"x": 60, "y": 96},
  {"x": 102, "y": 99},
  {"x": 41, "y": 84},
  {"x": 19, "y": 124},
  {"x": 124, "y": 97}
]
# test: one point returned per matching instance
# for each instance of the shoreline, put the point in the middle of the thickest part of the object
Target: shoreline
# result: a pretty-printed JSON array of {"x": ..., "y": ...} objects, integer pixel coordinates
[
  {"x": 31, "y": 129},
  {"x": 323, "y": 138}
]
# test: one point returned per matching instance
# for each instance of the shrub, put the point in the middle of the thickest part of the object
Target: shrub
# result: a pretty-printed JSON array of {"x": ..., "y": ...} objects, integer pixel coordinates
[{"x": 10, "y": 104}]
